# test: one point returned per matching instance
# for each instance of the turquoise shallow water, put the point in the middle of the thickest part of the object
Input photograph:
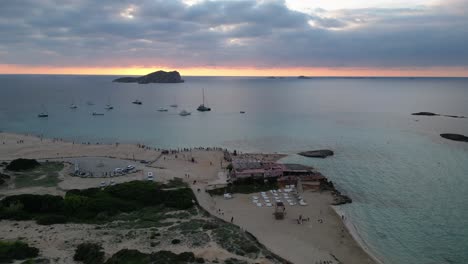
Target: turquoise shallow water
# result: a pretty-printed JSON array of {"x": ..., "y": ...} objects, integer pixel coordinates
[{"x": 409, "y": 186}]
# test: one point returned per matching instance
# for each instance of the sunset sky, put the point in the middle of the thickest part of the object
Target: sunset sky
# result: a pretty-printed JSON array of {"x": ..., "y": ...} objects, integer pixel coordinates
[{"x": 235, "y": 37}]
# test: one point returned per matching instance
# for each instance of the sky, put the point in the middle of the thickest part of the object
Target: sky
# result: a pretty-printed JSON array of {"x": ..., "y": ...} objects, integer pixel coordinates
[{"x": 235, "y": 37}]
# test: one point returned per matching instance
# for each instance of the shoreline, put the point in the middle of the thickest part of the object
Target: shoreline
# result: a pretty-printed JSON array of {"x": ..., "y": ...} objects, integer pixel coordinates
[
  {"x": 352, "y": 230},
  {"x": 41, "y": 146}
]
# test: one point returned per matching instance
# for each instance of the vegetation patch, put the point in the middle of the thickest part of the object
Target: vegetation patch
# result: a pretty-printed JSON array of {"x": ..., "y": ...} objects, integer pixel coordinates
[
  {"x": 89, "y": 253},
  {"x": 17, "y": 250},
  {"x": 98, "y": 205},
  {"x": 22, "y": 164},
  {"x": 45, "y": 175},
  {"x": 231, "y": 238}
]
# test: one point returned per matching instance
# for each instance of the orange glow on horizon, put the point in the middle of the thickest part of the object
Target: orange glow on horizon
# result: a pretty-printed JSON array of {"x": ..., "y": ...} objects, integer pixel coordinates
[{"x": 242, "y": 71}]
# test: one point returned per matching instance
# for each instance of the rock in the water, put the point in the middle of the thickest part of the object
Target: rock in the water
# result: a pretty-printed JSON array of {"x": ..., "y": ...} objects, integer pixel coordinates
[
  {"x": 455, "y": 137},
  {"x": 322, "y": 153},
  {"x": 425, "y": 114},
  {"x": 155, "y": 77},
  {"x": 434, "y": 114}
]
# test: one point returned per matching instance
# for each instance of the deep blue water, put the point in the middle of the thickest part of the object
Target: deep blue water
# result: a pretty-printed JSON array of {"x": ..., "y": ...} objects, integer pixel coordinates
[{"x": 409, "y": 186}]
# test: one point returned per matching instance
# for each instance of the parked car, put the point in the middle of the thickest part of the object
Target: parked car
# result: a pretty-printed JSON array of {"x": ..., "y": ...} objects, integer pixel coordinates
[{"x": 130, "y": 167}]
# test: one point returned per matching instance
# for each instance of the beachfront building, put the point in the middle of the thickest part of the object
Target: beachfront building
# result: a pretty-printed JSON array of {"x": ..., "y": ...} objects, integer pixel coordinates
[
  {"x": 285, "y": 174},
  {"x": 252, "y": 168}
]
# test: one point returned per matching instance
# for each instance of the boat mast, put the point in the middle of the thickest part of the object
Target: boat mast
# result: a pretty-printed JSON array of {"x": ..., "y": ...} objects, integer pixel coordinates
[{"x": 203, "y": 92}]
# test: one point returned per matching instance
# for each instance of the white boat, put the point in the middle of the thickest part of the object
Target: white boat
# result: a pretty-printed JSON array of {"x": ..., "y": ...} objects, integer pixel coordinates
[
  {"x": 162, "y": 109},
  {"x": 73, "y": 106},
  {"x": 202, "y": 107},
  {"x": 109, "y": 107},
  {"x": 184, "y": 113},
  {"x": 44, "y": 113}
]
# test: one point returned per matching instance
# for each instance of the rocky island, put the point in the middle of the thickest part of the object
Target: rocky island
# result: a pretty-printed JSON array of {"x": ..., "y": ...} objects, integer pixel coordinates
[
  {"x": 434, "y": 114},
  {"x": 154, "y": 77},
  {"x": 304, "y": 77},
  {"x": 455, "y": 137},
  {"x": 321, "y": 153}
]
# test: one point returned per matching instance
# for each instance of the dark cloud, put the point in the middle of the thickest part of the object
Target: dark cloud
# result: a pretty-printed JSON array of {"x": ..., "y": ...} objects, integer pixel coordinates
[{"x": 228, "y": 33}]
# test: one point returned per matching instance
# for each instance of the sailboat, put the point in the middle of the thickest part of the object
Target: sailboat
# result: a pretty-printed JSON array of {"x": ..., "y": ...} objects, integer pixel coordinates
[
  {"x": 174, "y": 104},
  {"x": 43, "y": 113},
  {"x": 108, "y": 105},
  {"x": 162, "y": 109},
  {"x": 202, "y": 107}
]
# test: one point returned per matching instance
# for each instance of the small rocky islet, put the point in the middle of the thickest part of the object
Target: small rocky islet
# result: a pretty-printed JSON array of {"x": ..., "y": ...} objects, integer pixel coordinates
[
  {"x": 321, "y": 153},
  {"x": 154, "y": 77},
  {"x": 435, "y": 114},
  {"x": 455, "y": 137}
]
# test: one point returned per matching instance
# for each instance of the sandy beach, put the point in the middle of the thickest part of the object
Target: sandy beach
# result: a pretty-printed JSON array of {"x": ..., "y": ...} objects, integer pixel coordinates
[{"x": 310, "y": 242}]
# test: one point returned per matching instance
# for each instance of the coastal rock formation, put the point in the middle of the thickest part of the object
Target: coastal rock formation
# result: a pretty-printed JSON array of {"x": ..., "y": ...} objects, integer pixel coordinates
[
  {"x": 154, "y": 77},
  {"x": 434, "y": 114},
  {"x": 321, "y": 153},
  {"x": 425, "y": 114},
  {"x": 455, "y": 137}
]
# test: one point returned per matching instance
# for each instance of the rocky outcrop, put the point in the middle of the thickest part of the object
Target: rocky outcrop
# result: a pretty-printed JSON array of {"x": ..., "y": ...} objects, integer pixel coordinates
[
  {"x": 455, "y": 137},
  {"x": 154, "y": 77},
  {"x": 425, "y": 114},
  {"x": 321, "y": 153},
  {"x": 434, "y": 114},
  {"x": 3, "y": 178},
  {"x": 303, "y": 77}
]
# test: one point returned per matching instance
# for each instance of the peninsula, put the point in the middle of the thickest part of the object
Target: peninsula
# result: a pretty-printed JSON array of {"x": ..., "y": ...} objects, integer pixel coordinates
[{"x": 154, "y": 77}]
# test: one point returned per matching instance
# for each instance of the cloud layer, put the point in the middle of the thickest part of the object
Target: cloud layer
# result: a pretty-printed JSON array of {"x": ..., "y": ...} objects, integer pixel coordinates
[{"x": 229, "y": 33}]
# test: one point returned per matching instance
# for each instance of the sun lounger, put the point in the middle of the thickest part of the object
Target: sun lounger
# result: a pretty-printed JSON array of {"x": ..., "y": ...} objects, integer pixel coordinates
[
  {"x": 259, "y": 204},
  {"x": 269, "y": 205}
]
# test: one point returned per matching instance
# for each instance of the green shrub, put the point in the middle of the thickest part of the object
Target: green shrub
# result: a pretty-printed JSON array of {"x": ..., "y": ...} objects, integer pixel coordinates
[
  {"x": 22, "y": 164},
  {"x": 128, "y": 256},
  {"x": 33, "y": 203},
  {"x": 167, "y": 257},
  {"x": 89, "y": 253},
  {"x": 17, "y": 250},
  {"x": 51, "y": 219}
]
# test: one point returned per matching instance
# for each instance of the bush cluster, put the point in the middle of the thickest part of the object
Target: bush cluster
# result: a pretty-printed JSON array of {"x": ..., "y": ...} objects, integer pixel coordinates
[
  {"x": 93, "y": 204},
  {"x": 89, "y": 253},
  {"x": 22, "y": 164},
  {"x": 10, "y": 251}
]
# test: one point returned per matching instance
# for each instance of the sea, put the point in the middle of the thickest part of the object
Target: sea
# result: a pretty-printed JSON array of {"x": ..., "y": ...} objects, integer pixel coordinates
[{"x": 409, "y": 186}]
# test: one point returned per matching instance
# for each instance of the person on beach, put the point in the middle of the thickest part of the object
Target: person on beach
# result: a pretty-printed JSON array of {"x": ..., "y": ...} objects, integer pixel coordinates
[{"x": 232, "y": 219}]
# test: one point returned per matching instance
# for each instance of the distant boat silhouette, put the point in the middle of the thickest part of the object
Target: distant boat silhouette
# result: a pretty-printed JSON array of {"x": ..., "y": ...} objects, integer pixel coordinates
[
  {"x": 202, "y": 107},
  {"x": 184, "y": 113},
  {"x": 138, "y": 102},
  {"x": 44, "y": 112}
]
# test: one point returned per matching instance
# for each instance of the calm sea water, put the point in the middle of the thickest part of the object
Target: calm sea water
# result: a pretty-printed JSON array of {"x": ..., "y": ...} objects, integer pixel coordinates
[{"x": 409, "y": 186}]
